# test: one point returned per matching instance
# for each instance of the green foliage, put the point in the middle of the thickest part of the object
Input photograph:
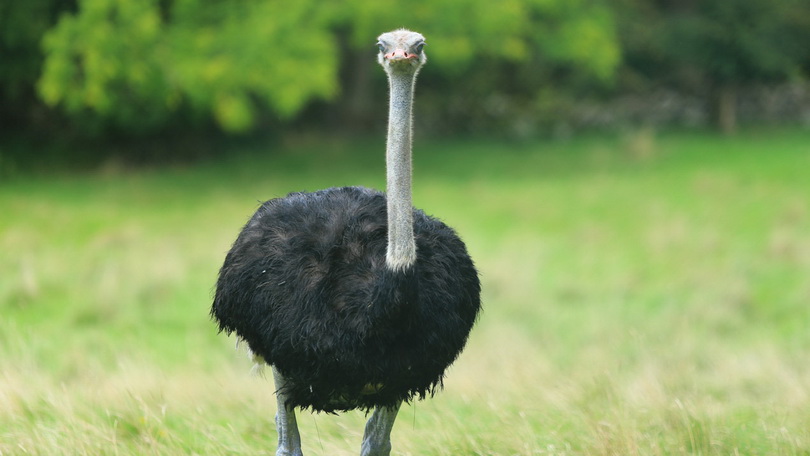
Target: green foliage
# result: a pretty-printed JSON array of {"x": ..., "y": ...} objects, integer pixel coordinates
[
  {"x": 713, "y": 42},
  {"x": 145, "y": 66},
  {"x": 278, "y": 52},
  {"x": 741, "y": 41},
  {"x": 135, "y": 63},
  {"x": 105, "y": 60},
  {"x": 716, "y": 47},
  {"x": 458, "y": 32},
  {"x": 22, "y": 25},
  {"x": 128, "y": 63}
]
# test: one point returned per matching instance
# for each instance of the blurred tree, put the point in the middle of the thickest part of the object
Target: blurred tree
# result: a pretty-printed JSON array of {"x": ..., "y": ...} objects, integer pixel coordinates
[
  {"x": 144, "y": 66},
  {"x": 135, "y": 64},
  {"x": 22, "y": 25},
  {"x": 718, "y": 45},
  {"x": 491, "y": 68}
]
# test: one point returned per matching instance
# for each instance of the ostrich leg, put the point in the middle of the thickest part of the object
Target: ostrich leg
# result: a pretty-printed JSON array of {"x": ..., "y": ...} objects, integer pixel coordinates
[
  {"x": 289, "y": 440},
  {"x": 377, "y": 438}
]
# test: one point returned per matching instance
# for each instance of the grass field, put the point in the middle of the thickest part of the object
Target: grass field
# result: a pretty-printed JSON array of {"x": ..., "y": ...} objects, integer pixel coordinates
[{"x": 644, "y": 295}]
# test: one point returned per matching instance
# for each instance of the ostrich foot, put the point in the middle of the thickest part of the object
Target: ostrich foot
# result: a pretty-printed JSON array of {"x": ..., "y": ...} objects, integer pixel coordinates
[
  {"x": 377, "y": 437},
  {"x": 289, "y": 440},
  {"x": 287, "y": 444}
]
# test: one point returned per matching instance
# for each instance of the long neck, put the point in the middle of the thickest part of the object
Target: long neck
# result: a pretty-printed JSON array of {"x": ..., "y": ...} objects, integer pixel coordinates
[{"x": 401, "y": 252}]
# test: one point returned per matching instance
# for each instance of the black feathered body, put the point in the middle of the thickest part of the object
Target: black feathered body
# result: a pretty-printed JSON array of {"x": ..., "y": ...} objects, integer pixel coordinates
[{"x": 306, "y": 285}]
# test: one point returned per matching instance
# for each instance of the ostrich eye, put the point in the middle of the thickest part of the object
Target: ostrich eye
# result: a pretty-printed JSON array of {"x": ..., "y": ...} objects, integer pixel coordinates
[
  {"x": 381, "y": 46},
  {"x": 419, "y": 46}
]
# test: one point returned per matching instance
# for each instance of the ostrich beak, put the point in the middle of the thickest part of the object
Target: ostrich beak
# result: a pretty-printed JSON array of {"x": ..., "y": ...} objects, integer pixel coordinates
[{"x": 400, "y": 54}]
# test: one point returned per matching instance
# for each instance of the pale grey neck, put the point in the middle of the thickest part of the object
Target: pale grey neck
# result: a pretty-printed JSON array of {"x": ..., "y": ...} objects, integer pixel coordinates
[{"x": 401, "y": 251}]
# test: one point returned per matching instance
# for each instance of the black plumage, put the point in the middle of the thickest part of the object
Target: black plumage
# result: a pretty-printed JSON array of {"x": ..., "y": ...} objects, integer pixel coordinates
[{"x": 307, "y": 286}]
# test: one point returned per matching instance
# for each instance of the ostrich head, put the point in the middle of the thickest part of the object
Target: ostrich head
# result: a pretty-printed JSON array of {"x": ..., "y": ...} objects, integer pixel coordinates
[{"x": 401, "y": 51}]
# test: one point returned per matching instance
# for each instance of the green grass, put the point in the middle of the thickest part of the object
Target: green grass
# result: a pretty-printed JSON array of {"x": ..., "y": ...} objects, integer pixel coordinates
[{"x": 644, "y": 294}]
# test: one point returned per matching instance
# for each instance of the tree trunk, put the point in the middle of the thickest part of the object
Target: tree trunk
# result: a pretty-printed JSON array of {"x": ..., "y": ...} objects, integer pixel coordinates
[
  {"x": 725, "y": 108},
  {"x": 356, "y": 104}
]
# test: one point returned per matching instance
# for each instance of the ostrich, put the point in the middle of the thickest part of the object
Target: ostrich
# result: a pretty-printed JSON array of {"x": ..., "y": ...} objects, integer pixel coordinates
[{"x": 356, "y": 299}]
